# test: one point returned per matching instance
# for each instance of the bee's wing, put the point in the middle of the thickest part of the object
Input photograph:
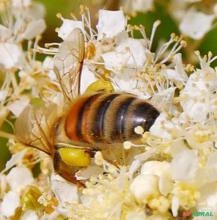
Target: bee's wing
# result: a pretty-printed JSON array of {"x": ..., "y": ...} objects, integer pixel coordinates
[
  {"x": 35, "y": 127},
  {"x": 68, "y": 64}
]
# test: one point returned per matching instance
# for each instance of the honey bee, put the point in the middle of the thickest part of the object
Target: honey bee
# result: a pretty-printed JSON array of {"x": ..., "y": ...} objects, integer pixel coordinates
[{"x": 92, "y": 122}]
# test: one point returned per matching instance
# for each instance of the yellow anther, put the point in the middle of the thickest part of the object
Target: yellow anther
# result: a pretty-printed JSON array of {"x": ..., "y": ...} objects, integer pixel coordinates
[{"x": 127, "y": 145}]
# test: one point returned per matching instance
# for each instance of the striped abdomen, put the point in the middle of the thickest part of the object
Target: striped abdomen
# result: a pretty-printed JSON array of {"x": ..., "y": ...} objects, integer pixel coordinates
[{"x": 108, "y": 118}]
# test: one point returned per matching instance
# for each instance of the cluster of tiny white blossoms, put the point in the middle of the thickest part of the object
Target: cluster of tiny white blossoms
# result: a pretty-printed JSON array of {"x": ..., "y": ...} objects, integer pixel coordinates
[
  {"x": 194, "y": 17},
  {"x": 177, "y": 171}
]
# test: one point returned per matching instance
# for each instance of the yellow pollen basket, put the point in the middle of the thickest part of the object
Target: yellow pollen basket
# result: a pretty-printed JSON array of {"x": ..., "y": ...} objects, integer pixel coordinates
[
  {"x": 74, "y": 157},
  {"x": 100, "y": 85}
]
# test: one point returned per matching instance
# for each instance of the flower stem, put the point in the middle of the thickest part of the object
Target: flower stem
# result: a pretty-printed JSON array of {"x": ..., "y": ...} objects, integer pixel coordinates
[{"x": 4, "y": 134}]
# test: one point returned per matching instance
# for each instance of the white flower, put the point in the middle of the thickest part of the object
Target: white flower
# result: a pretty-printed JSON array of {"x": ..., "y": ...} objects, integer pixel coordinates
[
  {"x": 10, "y": 203},
  {"x": 19, "y": 177},
  {"x": 197, "y": 96},
  {"x": 68, "y": 26},
  {"x": 110, "y": 24},
  {"x": 34, "y": 28},
  {"x": 11, "y": 55},
  {"x": 143, "y": 186},
  {"x": 184, "y": 165},
  {"x": 131, "y": 53},
  {"x": 197, "y": 111},
  {"x": 162, "y": 170},
  {"x": 196, "y": 24},
  {"x": 64, "y": 191}
]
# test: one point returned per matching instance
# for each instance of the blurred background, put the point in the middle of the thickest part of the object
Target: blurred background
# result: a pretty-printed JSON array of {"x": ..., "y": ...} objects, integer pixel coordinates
[{"x": 145, "y": 12}]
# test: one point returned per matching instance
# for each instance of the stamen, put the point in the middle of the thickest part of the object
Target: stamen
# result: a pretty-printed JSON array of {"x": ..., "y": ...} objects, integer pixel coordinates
[
  {"x": 164, "y": 48},
  {"x": 154, "y": 28}
]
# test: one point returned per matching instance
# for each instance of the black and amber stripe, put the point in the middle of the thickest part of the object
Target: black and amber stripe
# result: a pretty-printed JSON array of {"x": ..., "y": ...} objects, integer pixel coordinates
[{"x": 108, "y": 118}]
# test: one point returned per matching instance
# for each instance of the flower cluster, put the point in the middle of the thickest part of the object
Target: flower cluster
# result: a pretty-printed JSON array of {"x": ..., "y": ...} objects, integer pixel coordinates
[
  {"x": 174, "y": 169},
  {"x": 194, "y": 17}
]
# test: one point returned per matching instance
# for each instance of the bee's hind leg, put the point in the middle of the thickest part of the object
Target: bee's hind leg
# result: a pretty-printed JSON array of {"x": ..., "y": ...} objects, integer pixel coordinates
[{"x": 66, "y": 171}]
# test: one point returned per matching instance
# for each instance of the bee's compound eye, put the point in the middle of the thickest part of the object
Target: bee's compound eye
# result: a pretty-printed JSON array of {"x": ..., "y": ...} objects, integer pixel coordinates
[{"x": 74, "y": 157}]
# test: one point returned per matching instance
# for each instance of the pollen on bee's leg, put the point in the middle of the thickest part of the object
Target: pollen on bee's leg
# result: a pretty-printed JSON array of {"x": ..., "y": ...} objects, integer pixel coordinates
[{"x": 75, "y": 157}]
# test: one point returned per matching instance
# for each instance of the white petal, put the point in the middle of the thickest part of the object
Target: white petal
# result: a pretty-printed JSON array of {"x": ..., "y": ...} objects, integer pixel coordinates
[
  {"x": 208, "y": 197},
  {"x": 64, "y": 191},
  {"x": 144, "y": 186},
  {"x": 196, "y": 24},
  {"x": 21, "y": 3},
  {"x": 172, "y": 75},
  {"x": 15, "y": 160},
  {"x": 19, "y": 177},
  {"x": 19, "y": 105},
  {"x": 5, "y": 33},
  {"x": 134, "y": 167},
  {"x": 175, "y": 206},
  {"x": 137, "y": 215},
  {"x": 131, "y": 53},
  {"x": 48, "y": 65},
  {"x": 184, "y": 165},
  {"x": 3, "y": 95},
  {"x": 179, "y": 67},
  {"x": 35, "y": 12},
  {"x": 87, "y": 77},
  {"x": 121, "y": 83},
  {"x": 157, "y": 168},
  {"x": 9, "y": 204},
  {"x": 165, "y": 185},
  {"x": 197, "y": 111},
  {"x": 11, "y": 55},
  {"x": 90, "y": 171},
  {"x": 142, "y": 5},
  {"x": 68, "y": 26},
  {"x": 30, "y": 215},
  {"x": 34, "y": 28},
  {"x": 159, "y": 127},
  {"x": 212, "y": 162},
  {"x": 110, "y": 23},
  {"x": 164, "y": 99},
  {"x": 136, "y": 50},
  {"x": 3, "y": 185}
]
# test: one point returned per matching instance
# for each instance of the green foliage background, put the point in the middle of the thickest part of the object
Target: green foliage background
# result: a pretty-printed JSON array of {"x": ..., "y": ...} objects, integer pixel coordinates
[{"x": 65, "y": 7}]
